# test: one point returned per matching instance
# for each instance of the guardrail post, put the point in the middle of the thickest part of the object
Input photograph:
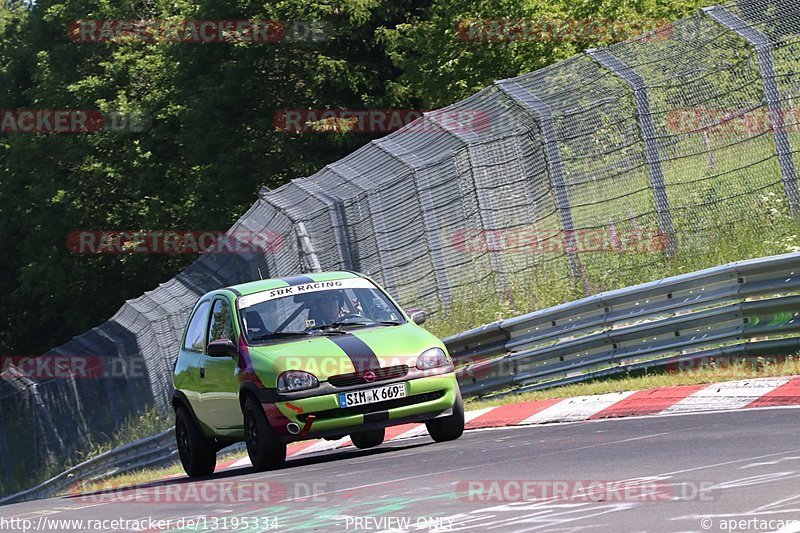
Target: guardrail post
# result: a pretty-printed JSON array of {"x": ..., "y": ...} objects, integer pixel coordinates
[
  {"x": 432, "y": 236},
  {"x": 544, "y": 116},
  {"x": 338, "y": 220},
  {"x": 766, "y": 68},
  {"x": 648, "y": 132}
]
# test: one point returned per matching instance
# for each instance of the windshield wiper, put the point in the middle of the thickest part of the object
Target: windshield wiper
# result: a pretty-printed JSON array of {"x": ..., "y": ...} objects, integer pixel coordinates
[
  {"x": 372, "y": 323},
  {"x": 354, "y": 323},
  {"x": 279, "y": 334},
  {"x": 327, "y": 329}
]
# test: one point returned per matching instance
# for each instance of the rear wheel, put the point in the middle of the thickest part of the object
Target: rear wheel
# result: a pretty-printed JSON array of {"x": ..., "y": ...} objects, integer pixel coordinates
[
  {"x": 197, "y": 452},
  {"x": 265, "y": 449},
  {"x": 368, "y": 439},
  {"x": 448, "y": 427}
]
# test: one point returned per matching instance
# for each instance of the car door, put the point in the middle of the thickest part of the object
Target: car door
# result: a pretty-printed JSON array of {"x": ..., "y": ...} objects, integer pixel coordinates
[
  {"x": 190, "y": 360},
  {"x": 220, "y": 396}
]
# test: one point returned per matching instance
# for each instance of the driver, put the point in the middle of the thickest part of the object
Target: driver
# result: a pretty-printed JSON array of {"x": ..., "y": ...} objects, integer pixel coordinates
[{"x": 326, "y": 309}]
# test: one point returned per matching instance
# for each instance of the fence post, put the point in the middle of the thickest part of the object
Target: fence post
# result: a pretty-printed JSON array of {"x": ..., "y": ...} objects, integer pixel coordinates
[
  {"x": 432, "y": 237},
  {"x": 338, "y": 220},
  {"x": 766, "y": 68},
  {"x": 304, "y": 259},
  {"x": 544, "y": 116},
  {"x": 484, "y": 207},
  {"x": 307, "y": 248},
  {"x": 379, "y": 228},
  {"x": 648, "y": 132}
]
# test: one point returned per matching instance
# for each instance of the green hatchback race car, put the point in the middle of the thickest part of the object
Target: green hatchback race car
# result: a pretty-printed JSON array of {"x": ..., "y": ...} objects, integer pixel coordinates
[{"x": 322, "y": 355}]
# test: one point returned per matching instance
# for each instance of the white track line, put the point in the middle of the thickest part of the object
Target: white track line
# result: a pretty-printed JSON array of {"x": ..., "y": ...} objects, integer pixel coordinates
[
  {"x": 245, "y": 461},
  {"x": 421, "y": 430},
  {"x": 324, "y": 446}
]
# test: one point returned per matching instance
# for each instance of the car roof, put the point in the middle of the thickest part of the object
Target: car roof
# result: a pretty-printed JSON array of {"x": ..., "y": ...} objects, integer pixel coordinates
[{"x": 275, "y": 283}]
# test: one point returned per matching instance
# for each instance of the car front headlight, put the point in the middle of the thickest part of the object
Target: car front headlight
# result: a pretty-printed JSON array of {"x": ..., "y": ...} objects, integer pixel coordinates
[
  {"x": 295, "y": 380},
  {"x": 434, "y": 358}
]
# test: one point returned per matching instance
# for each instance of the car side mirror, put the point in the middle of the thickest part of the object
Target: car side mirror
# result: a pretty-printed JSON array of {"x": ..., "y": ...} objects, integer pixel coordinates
[
  {"x": 417, "y": 316},
  {"x": 222, "y": 348}
]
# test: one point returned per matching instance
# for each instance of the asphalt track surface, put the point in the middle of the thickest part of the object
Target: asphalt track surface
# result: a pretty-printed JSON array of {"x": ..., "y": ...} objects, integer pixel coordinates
[{"x": 726, "y": 471}]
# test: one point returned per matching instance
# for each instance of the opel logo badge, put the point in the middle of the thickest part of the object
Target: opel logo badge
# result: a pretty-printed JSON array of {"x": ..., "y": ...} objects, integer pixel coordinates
[{"x": 369, "y": 376}]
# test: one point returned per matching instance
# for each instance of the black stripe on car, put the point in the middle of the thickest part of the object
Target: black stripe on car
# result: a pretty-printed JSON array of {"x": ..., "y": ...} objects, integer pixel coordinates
[{"x": 359, "y": 353}]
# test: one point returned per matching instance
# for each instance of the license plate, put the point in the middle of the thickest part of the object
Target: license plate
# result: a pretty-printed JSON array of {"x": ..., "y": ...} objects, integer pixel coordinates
[{"x": 378, "y": 394}]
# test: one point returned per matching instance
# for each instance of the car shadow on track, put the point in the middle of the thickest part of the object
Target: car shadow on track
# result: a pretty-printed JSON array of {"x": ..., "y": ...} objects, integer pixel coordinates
[
  {"x": 327, "y": 457},
  {"x": 131, "y": 490}
]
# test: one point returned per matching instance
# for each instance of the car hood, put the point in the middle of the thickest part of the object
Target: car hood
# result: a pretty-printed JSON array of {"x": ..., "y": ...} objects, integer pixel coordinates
[{"x": 360, "y": 350}]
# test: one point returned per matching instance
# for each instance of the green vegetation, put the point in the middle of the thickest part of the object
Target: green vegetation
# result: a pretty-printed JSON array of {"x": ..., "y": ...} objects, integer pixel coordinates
[
  {"x": 758, "y": 225},
  {"x": 148, "y": 423},
  {"x": 209, "y": 139}
]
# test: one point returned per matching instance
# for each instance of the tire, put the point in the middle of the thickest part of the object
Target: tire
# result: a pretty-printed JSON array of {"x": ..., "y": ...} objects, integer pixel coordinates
[
  {"x": 265, "y": 449},
  {"x": 368, "y": 439},
  {"x": 449, "y": 427},
  {"x": 197, "y": 452}
]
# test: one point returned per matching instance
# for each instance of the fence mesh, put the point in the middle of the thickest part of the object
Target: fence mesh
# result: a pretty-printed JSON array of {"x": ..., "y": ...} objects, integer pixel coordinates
[{"x": 678, "y": 147}]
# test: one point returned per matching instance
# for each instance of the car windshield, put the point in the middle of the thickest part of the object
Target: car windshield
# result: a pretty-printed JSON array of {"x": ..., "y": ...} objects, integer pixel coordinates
[{"x": 315, "y": 308}]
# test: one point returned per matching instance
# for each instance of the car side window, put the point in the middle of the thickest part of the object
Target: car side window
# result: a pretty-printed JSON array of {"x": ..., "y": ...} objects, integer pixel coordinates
[
  {"x": 221, "y": 326},
  {"x": 196, "y": 332}
]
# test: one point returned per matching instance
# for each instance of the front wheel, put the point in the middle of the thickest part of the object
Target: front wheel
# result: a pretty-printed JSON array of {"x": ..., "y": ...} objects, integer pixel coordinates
[
  {"x": 449, "y": 427},
  {"x": 265, "y": 449},
  {"x": 368, "y": 439},
  {"x": 197, "y": 452}
]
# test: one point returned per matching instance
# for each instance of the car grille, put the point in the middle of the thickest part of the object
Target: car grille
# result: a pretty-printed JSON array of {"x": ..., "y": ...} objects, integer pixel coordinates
[
  {"x": 373, "y": 407},
  {"x": 357, "y": 378}
]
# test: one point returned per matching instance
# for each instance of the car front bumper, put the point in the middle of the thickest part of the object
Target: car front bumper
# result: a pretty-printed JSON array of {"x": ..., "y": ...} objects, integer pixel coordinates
[{"x": 427, "y": 398}]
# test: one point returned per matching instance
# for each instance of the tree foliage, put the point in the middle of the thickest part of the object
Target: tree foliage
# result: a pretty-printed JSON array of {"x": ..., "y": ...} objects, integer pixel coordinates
[{"x": 209, "y": 140}]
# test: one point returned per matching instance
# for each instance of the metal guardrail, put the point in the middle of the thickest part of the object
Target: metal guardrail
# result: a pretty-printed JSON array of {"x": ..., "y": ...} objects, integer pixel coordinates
[
  {"x": 747, "y": 308},
  {"x": 148, "y": 452}
]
